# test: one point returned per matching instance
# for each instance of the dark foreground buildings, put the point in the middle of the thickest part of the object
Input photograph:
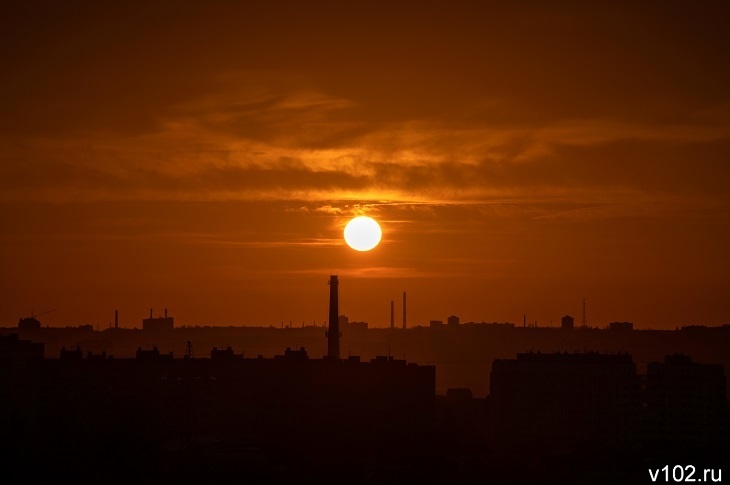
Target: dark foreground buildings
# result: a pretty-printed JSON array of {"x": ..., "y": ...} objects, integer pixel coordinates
[
  {"x": 685, "y": 402},
  {"x": 567, "y": 401},
  {"x": 286, "y": 396},
  {"x": 578, "y": 417},
  {"x": 561, "y": 400},
  {"x": 97, "y": 407}
]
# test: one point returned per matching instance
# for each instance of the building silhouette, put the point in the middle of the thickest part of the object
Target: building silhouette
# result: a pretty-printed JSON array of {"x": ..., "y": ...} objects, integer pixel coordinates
[
  {"x": 152, "y": 354},
  {"x": 158, "y": 324},
  {"x": 686, "y": 401},
  {"x": 564, "y": 400},
  {"x": 621, "y": 326},
  {"x": 224, "y": 354},
  {"x": 71, "y": 354},
  {"x": 29, "y": 324},
  {"x": 14, "y": 349}
]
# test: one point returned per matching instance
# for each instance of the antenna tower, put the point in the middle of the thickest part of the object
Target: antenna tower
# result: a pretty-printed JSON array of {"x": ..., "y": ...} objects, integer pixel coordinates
[
  {"x": 189, "y": 354},
  {"x": 584, "y": 321}
]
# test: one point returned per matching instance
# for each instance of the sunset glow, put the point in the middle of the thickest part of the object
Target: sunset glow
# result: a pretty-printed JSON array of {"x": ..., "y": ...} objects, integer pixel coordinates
[{"x": 524, "y": 157}]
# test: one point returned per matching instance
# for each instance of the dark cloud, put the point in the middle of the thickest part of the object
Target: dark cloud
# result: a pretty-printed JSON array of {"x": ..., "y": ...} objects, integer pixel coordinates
[{"x": 84, "y": 66}]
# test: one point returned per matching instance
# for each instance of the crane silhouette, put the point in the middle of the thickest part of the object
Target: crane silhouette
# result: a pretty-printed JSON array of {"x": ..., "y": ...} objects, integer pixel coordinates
[{"x": 34, "y": 315}]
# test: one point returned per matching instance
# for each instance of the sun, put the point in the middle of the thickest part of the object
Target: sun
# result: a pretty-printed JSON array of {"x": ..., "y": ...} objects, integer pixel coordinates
[{"x": 362, "y": 233}]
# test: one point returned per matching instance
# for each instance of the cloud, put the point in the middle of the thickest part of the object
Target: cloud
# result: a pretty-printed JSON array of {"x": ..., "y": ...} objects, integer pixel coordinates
[
  {"x": 438, "y": 108},
  {"x": 371, "y": 272},
  {"x": 261, "y": 244},
  {"x": 418, "y": 162}
]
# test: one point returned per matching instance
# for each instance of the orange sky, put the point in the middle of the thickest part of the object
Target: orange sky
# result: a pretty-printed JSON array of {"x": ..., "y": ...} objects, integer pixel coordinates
[{"x": 206, "y": 157}]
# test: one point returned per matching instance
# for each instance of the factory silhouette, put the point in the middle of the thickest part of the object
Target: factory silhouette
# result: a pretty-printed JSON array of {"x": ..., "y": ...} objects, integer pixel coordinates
[{"x": 579, "y": 416}]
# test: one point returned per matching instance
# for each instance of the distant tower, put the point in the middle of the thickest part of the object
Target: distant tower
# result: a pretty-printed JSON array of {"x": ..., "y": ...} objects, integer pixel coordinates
[
  {"x": 189, "y": 354},
  {"x": 392, "y": 314},
  {"x": 333, "y": 333},
  {"x": 116, "y": 318},
  {"x": 404, "y": 310},
  {"x": 584, "y": 322}
]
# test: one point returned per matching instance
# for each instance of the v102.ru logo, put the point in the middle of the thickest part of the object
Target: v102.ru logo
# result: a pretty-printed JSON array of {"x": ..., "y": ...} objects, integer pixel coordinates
[{"x": 688, "y": 474}]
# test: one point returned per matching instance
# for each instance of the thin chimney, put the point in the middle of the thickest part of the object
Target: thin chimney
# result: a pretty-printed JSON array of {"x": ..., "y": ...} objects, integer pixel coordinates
[
  {"x": 116, "y": 318},
  {"x": 404, "y": 310}
]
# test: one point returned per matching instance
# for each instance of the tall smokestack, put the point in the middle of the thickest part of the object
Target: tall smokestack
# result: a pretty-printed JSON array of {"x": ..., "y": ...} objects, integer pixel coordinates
[
  {"x": 333, "y": 333},
  {"x": 116, "y": 318},
  {"x": 392, "y": 314},
  {"x": 404, "y": 310}
]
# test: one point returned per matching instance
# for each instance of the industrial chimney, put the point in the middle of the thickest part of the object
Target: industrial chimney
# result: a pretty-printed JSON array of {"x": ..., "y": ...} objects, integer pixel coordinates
[
  {"x": 333, "y": 333},
  {"x": 116, "y": 318},
  {"x": 404, "y": 310}
]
